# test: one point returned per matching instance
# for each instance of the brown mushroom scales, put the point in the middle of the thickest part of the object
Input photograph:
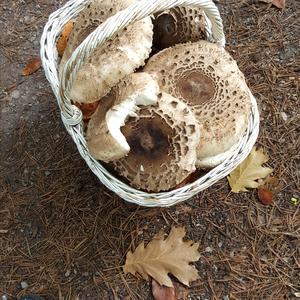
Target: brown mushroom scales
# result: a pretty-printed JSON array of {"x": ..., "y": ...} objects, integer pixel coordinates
[
  {"x": 163, "y": 141},
  {"x": 205, "y": 76},
  {"x": 117, "y": 58},
  {"x": 178, "y": 25},
  {"x": 104, "y": 138}
]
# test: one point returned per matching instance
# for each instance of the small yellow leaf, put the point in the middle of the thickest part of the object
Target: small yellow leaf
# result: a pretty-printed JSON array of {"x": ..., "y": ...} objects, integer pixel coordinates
[
  {"x": 163, "y": 256},
  {"x": 295, "y": 200},
  {"x": 249, "y": 171}
]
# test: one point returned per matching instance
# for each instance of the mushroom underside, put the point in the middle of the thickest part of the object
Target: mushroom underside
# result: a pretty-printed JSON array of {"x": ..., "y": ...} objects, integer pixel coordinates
[
  {"x": 104, "y": 137},
  {"x": 162, "y": 141},
  {"x": 178, "y": 25}
]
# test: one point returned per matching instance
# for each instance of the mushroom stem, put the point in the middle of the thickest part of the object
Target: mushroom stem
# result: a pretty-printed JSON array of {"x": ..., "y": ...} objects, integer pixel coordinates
[
  {"x": 106, "y": 142},
  {"x": 147, "y": 142},
  {"x": 118, "y": 114}
]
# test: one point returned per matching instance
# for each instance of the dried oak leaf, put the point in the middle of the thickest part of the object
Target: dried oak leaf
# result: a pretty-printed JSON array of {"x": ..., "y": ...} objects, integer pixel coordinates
[
  {"x": 64, "y": 37},
  {"x": 277, "y": 3},
  {"x": 249, "y": 171},
  {"x": 163, "y": 256},
  {"x": 32, "y": 66}
]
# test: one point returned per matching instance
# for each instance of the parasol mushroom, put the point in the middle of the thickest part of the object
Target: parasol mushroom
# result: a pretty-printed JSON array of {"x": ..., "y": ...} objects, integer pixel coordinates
[
  {"x": 205, "y": 76},
  {"x": 104, "y": 138},
  {"x": 163, "y": 141},
  {"x": 109, "y": 63},
  {"x": 178, "y": 25}
]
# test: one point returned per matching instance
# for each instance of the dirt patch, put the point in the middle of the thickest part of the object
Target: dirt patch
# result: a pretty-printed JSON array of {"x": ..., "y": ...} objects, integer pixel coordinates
[{"x": 63, "y": 233}]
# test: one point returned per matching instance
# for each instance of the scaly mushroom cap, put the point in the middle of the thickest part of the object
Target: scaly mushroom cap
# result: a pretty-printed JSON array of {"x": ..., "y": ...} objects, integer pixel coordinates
[
  {"x": 163, "y": 140},
  {"x": 117, "y": 58},
  {"x": 178, "y": 25},
  {"x": 205, "y": 77},
  {"x": 104, "y": 138}
]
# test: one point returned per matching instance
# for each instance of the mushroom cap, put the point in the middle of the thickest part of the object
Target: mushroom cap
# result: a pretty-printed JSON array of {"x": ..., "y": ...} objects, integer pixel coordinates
[
  {"x": 178, "y": 25},
  {"x": 163, "y": 140},
  {"x": 117, "y": 58},
  {"x": 207, "y": 78},
  {"x": 104, "y": 138}
]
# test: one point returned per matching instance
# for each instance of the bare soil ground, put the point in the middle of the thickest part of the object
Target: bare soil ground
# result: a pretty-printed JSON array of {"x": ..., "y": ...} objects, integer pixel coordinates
[{"x": 66, "y": 235}]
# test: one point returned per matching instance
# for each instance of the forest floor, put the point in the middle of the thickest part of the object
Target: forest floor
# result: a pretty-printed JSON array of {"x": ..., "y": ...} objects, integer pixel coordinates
[{"x": 64, "y": 235}]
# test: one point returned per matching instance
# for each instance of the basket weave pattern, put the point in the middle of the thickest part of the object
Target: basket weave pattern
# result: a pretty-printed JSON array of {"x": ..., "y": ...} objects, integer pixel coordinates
[{"x": 72, "y": 116}]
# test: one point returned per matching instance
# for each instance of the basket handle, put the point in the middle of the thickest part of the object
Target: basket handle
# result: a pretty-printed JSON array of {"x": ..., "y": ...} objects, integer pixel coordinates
[{"x": 141, "y": 9}]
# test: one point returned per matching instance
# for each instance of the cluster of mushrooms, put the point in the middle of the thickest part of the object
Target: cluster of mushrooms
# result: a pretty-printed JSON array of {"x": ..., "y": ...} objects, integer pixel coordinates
[{"x": 158, "y": 101}]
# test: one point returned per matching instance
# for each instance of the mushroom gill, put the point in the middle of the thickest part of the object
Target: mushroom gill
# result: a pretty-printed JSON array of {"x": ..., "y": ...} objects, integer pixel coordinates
[
  {"x": 178, "y": 25},
  {"x": 117, "y": 58},
  {"x": 163, "y": 140},
  {"x": 104, "y": 139},
  {"x": 205, "y": 76}
]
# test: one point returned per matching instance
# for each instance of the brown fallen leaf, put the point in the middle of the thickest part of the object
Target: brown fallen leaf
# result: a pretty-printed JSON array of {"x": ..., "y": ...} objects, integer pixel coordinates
[
  {"x": 247, "y": 174},
  {"x": 178, "y": 292},
  {"x": 64, "y": 37},
  {"x": 265, "y": 196},
  {"x": 278, "y": 3},
  {"x": 87, "y": 109},
  {"x": 165, "y": 256},
  {"x": 32, "y": 66},
  {"x": 162, "y": 292}
]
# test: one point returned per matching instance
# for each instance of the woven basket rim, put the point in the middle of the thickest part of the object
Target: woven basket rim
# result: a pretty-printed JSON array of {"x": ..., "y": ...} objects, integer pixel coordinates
[{"x": 50, "y": 63}]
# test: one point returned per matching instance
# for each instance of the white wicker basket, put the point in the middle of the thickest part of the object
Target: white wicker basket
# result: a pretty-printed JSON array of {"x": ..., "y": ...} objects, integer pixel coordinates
[{"x": 72, "y": 116}]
